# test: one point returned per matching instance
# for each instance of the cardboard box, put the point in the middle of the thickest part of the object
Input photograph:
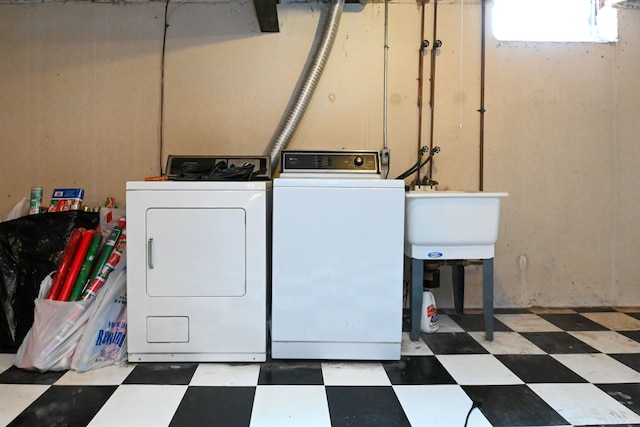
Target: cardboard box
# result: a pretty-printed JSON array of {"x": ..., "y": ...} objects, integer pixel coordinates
[{"x": 66, "y": 199}]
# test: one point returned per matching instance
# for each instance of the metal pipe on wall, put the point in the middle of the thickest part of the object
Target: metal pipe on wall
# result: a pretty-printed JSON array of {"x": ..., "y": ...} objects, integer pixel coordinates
[
  {"x": 385, "y": 163},
  {"x": 386, "y": 76}
]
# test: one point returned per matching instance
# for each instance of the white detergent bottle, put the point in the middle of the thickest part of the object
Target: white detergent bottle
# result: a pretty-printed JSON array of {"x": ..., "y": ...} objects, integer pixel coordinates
[{"x": 429, "y": 315}]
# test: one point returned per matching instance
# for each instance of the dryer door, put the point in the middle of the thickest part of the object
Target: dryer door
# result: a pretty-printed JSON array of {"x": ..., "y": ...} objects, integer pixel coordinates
[{"x": 195, "y": 252}]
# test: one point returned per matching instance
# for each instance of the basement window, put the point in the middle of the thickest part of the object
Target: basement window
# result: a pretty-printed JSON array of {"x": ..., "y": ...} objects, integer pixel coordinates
[{"x": 555, "y": 20}]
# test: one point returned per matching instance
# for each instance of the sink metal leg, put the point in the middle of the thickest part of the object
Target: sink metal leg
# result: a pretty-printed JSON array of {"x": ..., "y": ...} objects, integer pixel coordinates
[
  {"x": 457, "y": 277},
  {"x": 487, "y": 296},
  {"x": 417, "y": 272}
]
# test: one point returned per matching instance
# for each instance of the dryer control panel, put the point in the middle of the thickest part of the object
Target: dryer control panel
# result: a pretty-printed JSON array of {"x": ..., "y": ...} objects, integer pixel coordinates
[{"x": 328, "y": 162}]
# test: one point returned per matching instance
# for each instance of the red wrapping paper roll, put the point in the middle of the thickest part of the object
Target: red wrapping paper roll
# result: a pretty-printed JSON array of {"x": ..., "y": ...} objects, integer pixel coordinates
[
  {"x": 85, "y": 270},
  {"x": 67, "y": 257},
  {"x": 76, "y": 264}
]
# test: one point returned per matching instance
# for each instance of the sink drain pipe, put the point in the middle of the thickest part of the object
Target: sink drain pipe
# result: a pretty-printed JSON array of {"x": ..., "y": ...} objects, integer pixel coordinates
[{"x": 306, "y": 85}]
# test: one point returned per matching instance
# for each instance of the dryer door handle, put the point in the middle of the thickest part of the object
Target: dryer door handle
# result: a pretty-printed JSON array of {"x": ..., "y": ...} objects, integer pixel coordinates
[{"x": 150, "y": 252}]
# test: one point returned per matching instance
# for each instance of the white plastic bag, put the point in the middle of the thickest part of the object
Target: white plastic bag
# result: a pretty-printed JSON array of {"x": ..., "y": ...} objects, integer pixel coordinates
[
  {"x": 103, "y": 342},
  {"x": 19, "y": 210},
  {"x": 52, "y": 340},
  {"x": 45, "y": 285}
]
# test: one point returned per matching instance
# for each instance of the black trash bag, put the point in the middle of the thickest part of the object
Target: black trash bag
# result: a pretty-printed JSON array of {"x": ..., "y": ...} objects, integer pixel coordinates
[{"x": 31, "y": 247}]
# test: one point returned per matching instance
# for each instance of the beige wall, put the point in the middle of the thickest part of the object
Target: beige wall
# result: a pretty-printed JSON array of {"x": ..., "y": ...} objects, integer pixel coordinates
[{"x": 80, "y": 85}]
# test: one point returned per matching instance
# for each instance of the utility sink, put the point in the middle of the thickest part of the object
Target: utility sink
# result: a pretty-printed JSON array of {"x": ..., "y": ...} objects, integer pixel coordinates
[{"x": 451, "y": 224}]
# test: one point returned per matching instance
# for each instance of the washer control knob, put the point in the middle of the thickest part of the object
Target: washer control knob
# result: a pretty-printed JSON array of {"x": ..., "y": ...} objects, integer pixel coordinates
[{"x": 358, "y": 161}]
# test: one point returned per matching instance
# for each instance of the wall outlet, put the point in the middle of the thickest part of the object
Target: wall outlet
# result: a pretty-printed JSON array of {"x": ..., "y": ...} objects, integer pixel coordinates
[{"x": 384, "y": 156}]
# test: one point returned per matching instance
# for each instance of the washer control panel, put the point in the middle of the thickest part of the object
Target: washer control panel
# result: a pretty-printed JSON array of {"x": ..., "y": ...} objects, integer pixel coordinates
[{"x": 327, "y": 162}]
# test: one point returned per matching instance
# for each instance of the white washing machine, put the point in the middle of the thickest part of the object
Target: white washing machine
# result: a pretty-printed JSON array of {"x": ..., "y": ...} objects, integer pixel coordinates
[
  {"x": 197, "y": 270},
  {"x": 337, "y": 267}
]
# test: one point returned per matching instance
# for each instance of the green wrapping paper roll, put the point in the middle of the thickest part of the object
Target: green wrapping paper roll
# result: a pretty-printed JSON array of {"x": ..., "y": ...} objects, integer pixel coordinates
[
  {"x": 100, "y": 279},
  {"x": 78, "y": 287},
  {"x": 107, "y": 250}
]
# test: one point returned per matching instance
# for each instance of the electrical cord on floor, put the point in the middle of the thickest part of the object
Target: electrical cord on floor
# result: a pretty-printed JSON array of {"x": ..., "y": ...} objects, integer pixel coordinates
[{"x": 474, "y": 404}]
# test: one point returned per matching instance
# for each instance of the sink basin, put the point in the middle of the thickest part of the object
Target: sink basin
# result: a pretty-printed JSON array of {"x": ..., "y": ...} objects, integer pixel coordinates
[{"x": 451, "y": 224}]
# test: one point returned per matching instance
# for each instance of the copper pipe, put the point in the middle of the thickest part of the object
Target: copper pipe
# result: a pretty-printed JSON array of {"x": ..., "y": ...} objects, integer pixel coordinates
[
  {"x": 432, "y": 95},
  {"x": 420, "y": 83},
  {"x": 482, "y": 110}
]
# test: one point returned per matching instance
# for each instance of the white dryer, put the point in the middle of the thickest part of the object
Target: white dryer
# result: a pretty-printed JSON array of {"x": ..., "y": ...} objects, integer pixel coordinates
[
  {"x": 197, "y": 270},
  {"x": 337, "y": 268}
]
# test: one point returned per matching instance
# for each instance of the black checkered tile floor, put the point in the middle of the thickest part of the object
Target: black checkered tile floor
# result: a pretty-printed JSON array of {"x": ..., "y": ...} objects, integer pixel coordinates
[{"x": 560, "y": 367}]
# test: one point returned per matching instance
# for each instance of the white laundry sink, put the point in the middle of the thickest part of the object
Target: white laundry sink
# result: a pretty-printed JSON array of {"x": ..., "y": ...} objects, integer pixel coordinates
[{"x": 451, "y": 224}]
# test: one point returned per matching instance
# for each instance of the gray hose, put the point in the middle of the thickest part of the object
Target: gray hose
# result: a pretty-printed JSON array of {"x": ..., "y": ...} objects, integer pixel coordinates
[{"x": 306, "y": 85}]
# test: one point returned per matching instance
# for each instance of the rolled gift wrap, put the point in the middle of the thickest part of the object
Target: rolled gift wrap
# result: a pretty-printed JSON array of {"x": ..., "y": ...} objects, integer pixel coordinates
[
  {"x": 76, "y": 264},
  {"x": 78, "y": 287},
  {"x": 67, "y": 258}
]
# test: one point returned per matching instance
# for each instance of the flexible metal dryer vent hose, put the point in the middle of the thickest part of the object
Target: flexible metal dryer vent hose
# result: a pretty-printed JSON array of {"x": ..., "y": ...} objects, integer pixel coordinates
[{"x": 306, "y": 85}]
